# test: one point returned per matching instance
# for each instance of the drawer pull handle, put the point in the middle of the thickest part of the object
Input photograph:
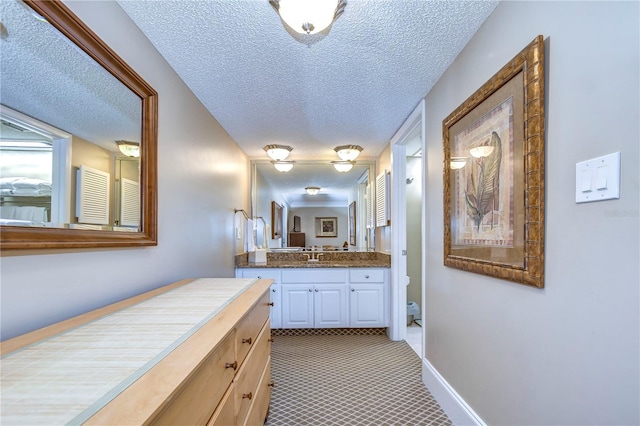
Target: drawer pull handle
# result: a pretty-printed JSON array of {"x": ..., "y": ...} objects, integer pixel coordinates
[
  {"x": 270, "y": 304},
  {"x": 366, "y": 276},
  {"x": 316, "y": 290},
  {"x": 270, "y": 339},
  {"x": 233, "y": 365},
  {"x": 247, "y": 340},
  {"x": 353, "y": 289},
  {"x": 273, "y": 290},
  {"x": 259, "y": 277},
  {"x": 272, "y": 384},
  {"x": 247, "y": 396},
  {"x": 310, "y": 290}
]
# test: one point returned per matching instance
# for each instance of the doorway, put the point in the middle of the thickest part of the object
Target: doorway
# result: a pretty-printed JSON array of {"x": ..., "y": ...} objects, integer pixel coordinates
[{"x": 407, "y": 219}]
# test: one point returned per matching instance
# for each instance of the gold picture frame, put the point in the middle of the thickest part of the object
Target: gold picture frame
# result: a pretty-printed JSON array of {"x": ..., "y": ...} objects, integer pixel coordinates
[
  {"x": 494, "y": 174},
  {"x": 276, "y": 220}
]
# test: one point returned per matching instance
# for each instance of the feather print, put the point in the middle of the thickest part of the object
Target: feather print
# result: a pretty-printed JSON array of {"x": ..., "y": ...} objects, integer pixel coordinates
[{"x": 482, "y": 183}]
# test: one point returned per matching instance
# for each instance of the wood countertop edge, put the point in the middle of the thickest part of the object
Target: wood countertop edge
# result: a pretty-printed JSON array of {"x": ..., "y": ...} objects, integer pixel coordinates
[
  {"x": 147, "y": 396},
  {"x": 27, "y": 339}
]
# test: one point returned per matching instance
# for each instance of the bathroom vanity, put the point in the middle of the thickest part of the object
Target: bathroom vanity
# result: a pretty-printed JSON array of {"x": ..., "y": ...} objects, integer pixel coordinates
[
  {"x": 194, "y": 352},
  {"x": 343, "y": 290}
]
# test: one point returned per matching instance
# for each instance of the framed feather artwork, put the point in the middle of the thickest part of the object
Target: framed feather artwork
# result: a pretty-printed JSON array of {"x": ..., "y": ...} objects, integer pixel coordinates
[{"x": 494, "y": 174}]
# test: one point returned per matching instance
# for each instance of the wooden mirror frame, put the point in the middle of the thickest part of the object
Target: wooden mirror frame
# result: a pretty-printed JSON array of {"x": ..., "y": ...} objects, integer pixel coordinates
[{"x": 16, "y": 237}]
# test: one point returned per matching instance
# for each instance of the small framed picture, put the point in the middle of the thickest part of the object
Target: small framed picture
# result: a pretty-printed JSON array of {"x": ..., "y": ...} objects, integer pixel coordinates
[{"x": 326, "y": 227}]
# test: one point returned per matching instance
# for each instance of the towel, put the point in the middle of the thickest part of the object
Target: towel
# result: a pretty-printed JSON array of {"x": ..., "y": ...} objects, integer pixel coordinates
[
  {"x": 250, "y": 240},
  {"x": 266, "y": 235}
]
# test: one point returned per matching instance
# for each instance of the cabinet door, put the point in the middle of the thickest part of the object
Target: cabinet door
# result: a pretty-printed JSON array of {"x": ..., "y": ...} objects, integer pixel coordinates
[
  {"x": 366, "y": 303},
  {"x": 330, "y": 305},
  {"x": 275, "y": 313},
  {"x": 297, "y": 305}
]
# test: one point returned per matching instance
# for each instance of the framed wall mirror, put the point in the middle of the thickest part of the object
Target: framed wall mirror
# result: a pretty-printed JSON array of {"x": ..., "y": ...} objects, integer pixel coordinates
[
  {"x": 336, "y": 192},
  {"x": 71, "y": 102}
]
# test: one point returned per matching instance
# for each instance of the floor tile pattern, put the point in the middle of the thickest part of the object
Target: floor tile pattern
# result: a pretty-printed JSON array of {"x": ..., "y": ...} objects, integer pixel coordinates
[
  {"x": 326, "y": 331},
  {"x": 349, "y": 380}
]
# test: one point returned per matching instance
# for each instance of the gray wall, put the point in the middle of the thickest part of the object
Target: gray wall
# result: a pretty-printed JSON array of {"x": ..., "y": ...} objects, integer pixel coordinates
[
  {"x": 568, "y": 353},
  {"x": 414, "y": 230},
  {"x": 196, "y": 198}
]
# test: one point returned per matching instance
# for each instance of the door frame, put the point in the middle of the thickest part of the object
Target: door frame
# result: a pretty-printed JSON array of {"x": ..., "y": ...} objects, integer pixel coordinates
[{"x": 398, "y": 326}]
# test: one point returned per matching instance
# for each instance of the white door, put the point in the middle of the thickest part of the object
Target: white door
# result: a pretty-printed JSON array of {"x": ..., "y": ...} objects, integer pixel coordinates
[
  {"x": 297, "y": 305},
  {"x": 330, "y": 305},
  {"x": 366, "y": 305}
]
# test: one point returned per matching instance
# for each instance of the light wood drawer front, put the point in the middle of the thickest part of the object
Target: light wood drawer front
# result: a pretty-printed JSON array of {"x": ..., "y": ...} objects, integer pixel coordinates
[
  {"x": 225, "y": 415},
  {"x": 196, "y": 400},
  {"x": 260, "y": 408},
  {"x": 366, "y": 275},
  {"x": 246, "y": 382},
  {"x": 249, "y": 327}
]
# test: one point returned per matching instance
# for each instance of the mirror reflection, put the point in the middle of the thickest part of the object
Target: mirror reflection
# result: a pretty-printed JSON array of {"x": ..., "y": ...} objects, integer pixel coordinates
[
  {"x": 62, "y": 115},
  {"x": 336, "y": 217}
]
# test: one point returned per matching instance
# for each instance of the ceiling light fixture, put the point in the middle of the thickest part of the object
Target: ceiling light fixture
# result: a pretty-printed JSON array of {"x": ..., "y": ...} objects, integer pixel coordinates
[
  {"x": 312, "y": 190},
  {"x": 308, "y": 16},
  {"x": 348, "y": 152},
  {"x": 343, "y": 166},
  {"x": 278, "y": 152},
  {"x": 457, "y": 162},
  {"x": 481, "y": 151},
  {"x": 130, "y": 149},
  {"x": 283, "y": 166}
]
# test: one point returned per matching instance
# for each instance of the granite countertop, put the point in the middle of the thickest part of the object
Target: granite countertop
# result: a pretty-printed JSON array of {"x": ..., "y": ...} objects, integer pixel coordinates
[{"x": 327, "y": 260}]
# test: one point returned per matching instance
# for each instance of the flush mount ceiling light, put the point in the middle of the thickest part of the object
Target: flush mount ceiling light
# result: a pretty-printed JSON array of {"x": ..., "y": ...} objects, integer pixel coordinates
[
  {"x": 343, "y": 166},
  {"x": 130, "y": 149},
  {"x": 481, "y": 151},
  {"x": 283, "y": 166},
  {"x": 348, "y": 152},
  {"x": 457, "y": 162},
  {"x": 308, "y": 16},
  {"x": 312, "y": 190},
  {"x": 278, "y": 152}
]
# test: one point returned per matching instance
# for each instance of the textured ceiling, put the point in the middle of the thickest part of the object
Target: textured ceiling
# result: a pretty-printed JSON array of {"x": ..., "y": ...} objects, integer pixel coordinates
[
  {"x": 44, "y": 76},
  {"x": 353, "y": 84}
]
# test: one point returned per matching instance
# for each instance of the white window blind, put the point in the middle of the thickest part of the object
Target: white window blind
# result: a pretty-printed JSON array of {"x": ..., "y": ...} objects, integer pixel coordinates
[
  {"x": 129, "y": 202},
  {"x": 92, "y": 196},
  {"x": 382, "y": 199}
]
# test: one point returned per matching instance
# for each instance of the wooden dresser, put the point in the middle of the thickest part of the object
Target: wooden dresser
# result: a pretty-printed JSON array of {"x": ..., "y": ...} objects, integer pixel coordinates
[{"x": 193, "y": 352}]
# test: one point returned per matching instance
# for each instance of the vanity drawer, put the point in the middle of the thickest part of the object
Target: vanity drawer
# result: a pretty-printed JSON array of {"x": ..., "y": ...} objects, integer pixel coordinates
[
  {"x": 366, "y": 275},
  {"x": 197, "y": 399},
  {"x": 314, "y": 276},
  {"x": 249, "y": 327},
  {"x": 246, "y": 382},
  {"x": 267, "y": 273}
]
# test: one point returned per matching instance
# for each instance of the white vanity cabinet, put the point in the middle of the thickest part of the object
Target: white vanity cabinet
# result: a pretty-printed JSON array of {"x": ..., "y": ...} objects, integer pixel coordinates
[
  {"x": 275, "y": 292},
  {"x": 326, "y": 297}
]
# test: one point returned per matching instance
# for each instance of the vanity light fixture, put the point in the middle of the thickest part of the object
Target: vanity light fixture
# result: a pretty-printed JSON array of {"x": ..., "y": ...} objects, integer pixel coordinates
[
  {"x": 343, "y": 166},
  {"x": 312, "y": 190},
  {"x": 348, "y": 152},
  {"x": 457, "y": 162},
  {"x": 278, "y": 152},
  {"x": 130, "y": 149},
  {"x": 283, "y": 166},
  {"x": 308, "y": 16}
]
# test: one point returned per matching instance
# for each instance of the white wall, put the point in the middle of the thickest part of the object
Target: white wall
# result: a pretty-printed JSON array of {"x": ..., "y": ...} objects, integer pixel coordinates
[
  {"x": 568, "y": 353},
  {"x": 308, "y": 224},
  {"x": 202, "y": 177},
  {"x": 414, "y": 229}
]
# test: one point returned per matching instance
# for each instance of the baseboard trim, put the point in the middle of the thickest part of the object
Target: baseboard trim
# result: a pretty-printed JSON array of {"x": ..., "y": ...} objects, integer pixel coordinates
[{"x": 451, "y": 402}]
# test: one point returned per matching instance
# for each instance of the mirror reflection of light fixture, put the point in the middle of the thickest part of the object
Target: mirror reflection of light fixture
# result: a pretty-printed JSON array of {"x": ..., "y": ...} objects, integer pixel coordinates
[
  {"x": 278, "y": 152},
  {"x": 457, "y": 162},
  {"x": 283, "y": 166},
  {"x": 308, "y": 16},
  {"x": 343, "y": 166},
  {"x": 348, "y": 152},
  {"x": 130, "y": 149},
  {"x": 481, "y": 151},
  {"x": 312, "y": 190}
]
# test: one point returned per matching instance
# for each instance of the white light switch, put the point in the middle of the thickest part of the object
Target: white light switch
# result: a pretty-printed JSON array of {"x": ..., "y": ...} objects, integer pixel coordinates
[{"x": 598, "y": 179}]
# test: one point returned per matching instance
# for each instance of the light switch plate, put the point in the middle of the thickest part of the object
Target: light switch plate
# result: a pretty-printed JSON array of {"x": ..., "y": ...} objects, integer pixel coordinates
[{"x": 598, "y": 179}]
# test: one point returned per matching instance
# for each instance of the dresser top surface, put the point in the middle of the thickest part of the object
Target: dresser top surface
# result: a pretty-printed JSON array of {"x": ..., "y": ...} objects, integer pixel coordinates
[{"x": 70, "y": 376}]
